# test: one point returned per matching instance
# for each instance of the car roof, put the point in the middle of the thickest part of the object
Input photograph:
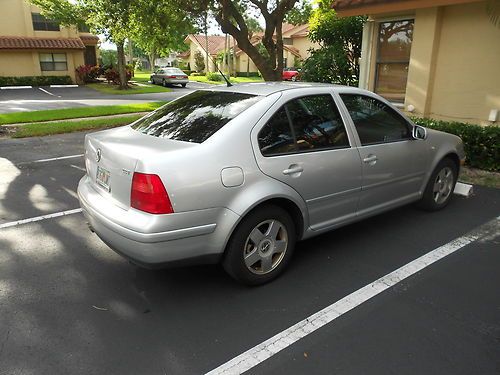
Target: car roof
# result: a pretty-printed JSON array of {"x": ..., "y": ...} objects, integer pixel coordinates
[{"x": 268, "y": 88}]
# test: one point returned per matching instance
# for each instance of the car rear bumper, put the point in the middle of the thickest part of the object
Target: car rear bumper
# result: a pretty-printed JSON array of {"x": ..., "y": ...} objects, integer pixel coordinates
[{"x": 157, "y": 240}]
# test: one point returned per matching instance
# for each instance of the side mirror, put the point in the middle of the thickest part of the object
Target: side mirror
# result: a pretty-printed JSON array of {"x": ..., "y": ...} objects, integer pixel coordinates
[{"x": 419, "y": 132}]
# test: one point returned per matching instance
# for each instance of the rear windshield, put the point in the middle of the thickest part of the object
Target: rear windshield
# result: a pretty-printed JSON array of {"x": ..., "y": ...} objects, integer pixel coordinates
[
  {"x": 196, "y": 116},
  {"x": 174, "y": 70}
]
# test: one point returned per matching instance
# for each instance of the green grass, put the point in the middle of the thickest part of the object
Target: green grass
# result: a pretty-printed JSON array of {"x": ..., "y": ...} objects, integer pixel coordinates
[
  {"x": 479, "y": 177},
  {"x": 40, "y": 129},
  {"x": 113, "y": 89},
  {"x": 69, "y": 113},
  {"x": 142, "y": 77},
  {"x": 233, "y": 80}
]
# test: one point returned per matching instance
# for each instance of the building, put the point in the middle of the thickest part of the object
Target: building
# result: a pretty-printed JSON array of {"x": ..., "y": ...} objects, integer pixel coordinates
[
  {"x": 436, "y": 58},
  {"x": 295, "y": 48},
  {"x": 32, "y": 45}
]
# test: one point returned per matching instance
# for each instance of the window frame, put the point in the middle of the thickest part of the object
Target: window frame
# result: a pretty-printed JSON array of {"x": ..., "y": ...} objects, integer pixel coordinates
[
  {"x": 377, "y": 55},
  {"x": 394, "y": 111},
  {"x": 292, "y": 130},
  {"x": 53, "y": 62},
  {"x": 46, "y": 22}
]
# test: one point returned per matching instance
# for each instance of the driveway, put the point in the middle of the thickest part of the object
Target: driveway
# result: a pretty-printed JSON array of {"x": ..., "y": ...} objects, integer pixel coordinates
[
  {"x": 70, "y": 305},
  {"x": 39, "y": 98}
]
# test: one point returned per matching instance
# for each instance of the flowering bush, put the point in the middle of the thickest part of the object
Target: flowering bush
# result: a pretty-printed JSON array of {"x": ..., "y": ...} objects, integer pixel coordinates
[
  {"x": 112, "y": 75},
  {"x": 88, "y": 73}
]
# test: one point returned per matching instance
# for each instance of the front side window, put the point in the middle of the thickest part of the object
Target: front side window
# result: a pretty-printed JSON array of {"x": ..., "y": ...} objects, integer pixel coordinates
[
  {"x": 53, "y": 62},
  {"x": 375, "y": 122},
  {"x": 196, "y": 116},
  {"x": 393, "y": 58},
  {"x": 309, "y": 123},
  {"x": 40, "y": 23}
]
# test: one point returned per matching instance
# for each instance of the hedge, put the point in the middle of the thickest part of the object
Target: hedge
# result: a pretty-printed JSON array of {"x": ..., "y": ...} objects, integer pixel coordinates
[
  {"x": 250, "y": 74},
  {"x": 213, "y": 76},
  {"x": 481, "y": 143},
  {"x": 35, "y": 81}
]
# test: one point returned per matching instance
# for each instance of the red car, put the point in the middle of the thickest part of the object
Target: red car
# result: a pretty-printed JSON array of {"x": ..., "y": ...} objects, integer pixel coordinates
[{"x": 290, "y": 74}]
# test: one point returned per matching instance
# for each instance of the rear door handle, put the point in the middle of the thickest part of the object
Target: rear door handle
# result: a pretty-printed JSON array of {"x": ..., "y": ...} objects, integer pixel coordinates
[
  {"x": 370, "y": 159},
  {"x": 292, "y": 169}
]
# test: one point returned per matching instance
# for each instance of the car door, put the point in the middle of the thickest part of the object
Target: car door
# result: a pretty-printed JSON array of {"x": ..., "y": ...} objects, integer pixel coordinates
[
  {"x": 305, "y": 144},
  {"x": 393, "y": 162}
]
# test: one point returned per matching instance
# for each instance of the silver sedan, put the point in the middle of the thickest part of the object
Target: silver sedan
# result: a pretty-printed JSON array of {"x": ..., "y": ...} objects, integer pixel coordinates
[
  {"x": 239, "y": 174},
  {"x": 169, "y": 76}
]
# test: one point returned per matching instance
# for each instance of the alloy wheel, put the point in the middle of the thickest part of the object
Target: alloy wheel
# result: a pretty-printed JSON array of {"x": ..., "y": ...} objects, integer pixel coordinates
[{"x": 443, "y": 185}]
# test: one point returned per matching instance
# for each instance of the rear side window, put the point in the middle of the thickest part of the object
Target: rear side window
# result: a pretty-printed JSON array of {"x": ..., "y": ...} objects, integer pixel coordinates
[
  {"x": 309, "y": 123},
  {"x": 196, "y": 116},
  {"x": 375, "y": 122}
]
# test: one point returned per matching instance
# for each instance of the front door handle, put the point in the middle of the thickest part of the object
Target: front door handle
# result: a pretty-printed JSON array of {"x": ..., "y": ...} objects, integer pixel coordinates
[
  {"x": 370, "y": 159},
  {"x": 293, "y": 169}
]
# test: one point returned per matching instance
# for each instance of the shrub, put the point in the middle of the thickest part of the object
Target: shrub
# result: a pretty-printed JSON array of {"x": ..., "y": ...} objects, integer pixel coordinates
[
  {"x": 35, "y": 81},
  {"x": 87, "y": 73},
  {"x": 482, "y": 143},
  {"x": 112, "y": 76},
  {"x": 213, "y": 76},
  {"x": 195, "y": 74},
  {"x": 199, "y": 62}
]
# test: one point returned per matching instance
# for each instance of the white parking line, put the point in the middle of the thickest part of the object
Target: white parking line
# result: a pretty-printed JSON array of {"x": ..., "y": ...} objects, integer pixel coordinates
[
  {"x": 282, "y": 340},
  {"x": 53, "y": 159},
  {"x": 45, "y": 91},
  {"x": 39, "y": 218}
]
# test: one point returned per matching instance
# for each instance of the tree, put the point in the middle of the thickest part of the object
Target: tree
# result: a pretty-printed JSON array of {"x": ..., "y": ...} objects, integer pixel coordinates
[
  {"x": 199, "y": 62},
  {"x": 340, "y": 40},
  {"x": 253, "y": 27},
  {"x": 232, "y": 17},
  {"x": 300, "y": 14},
  {"x": 158, "y": 30}
]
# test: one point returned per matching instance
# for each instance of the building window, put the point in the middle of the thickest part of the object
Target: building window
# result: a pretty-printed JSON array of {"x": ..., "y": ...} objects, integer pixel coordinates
[
  {"x": 89, "y": 56},
  {"x": 393, "y": 58},
  {"x": 41, "y": 23},
  {"x": 53, "y": 62},
  {"x": 288, "y": 41}
]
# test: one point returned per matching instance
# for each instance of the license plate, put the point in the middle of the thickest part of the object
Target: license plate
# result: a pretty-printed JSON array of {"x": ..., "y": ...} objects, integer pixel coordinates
[{"x": 102, "y": 178}]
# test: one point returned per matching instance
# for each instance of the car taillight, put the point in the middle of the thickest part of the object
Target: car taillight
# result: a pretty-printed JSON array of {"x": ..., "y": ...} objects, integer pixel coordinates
[
  {"x": 148, "y": 194},
  {"x": 171, "y": 77}
]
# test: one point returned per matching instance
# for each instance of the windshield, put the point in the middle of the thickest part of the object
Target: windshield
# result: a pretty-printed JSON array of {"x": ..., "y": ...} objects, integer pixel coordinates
[
  {"x": 174, "y": 71},
  {"x": 196, "y": 116}
]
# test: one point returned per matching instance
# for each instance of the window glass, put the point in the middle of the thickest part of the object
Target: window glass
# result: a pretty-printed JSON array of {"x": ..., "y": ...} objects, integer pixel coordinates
[
  {"x": 53, "y": 62},
  {"x": 276, "y": 137},
  {"x": 317, "y": 123},
  {"x": 196, "y": 116},
  {"x": 394, "y": 47},
  {"x": 375, "y": 122},
  {"x": 40, "y": 23}
]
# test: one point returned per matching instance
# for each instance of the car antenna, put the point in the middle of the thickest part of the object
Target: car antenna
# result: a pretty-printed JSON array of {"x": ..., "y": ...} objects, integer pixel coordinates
[{"x": 228, "y": 83}]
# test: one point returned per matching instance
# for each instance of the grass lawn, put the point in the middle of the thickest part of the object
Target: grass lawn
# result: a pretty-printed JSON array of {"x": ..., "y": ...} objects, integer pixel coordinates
[
  {"x": 69, "y": 113},
  {"x": 37, "y": 129},
  {"x": 233, "y": 80},
  {"x": 135, "y": 89},
  {"x": 142, "y": 77}
]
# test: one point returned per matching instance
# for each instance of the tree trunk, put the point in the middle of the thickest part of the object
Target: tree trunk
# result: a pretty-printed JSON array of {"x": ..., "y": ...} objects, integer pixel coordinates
[
  {"x": 121, "y": 65},
  {"x": 206, "y": 43},
  {"x": 152, "y": 58}
]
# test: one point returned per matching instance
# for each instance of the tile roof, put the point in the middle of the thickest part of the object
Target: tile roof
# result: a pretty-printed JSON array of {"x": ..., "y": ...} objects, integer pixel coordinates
[
  {"x": 89, "y": 39},
  {"x": 18, "y": 42},
  {"x": 215, "y": 42},
  {"x": 351, "y": 4}
]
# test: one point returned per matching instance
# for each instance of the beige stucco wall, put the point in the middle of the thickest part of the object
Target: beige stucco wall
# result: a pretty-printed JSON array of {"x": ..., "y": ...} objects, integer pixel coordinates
[
  {"x": 303, "y": 44},
  {"x": 16, "y": 64},
  {"x": 454, "y": 70},
  {"x": 467, "y": 79}
]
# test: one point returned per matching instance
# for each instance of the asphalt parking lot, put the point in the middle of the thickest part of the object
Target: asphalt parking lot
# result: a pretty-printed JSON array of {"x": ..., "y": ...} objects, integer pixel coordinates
[
  {"x": 70, "y": 305},
  {"x": 39, "y": 98}
]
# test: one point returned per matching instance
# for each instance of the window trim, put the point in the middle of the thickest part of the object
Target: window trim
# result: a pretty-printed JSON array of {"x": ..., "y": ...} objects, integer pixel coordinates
[
  {"x": 377, "y": 53},
  {"x": 292, "y": 130},
  {"x": 408, "y": 124}
]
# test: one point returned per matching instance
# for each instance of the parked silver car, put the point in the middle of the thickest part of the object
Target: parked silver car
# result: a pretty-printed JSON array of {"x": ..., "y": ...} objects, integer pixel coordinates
[
  {"x": 239, "y": 174},
  {"x": 169, "y": 76}
]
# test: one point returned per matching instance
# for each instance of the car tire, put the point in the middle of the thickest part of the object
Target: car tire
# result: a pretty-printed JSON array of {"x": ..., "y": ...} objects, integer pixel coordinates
[
  {"x": 152, "y": 80},
  {"x": 439, "y": 189},
  {"x": 183, "y": 84},
  {"x": 261, "y": 246},
  {"x": 294, "y": 78},
  {"x": 164, "y": 84}
]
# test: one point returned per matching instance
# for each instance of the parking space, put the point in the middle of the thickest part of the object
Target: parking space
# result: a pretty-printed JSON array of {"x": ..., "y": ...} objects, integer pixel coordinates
[
  {"x": 68, "y": 304},
  {"x": 39, "y": 98}
]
